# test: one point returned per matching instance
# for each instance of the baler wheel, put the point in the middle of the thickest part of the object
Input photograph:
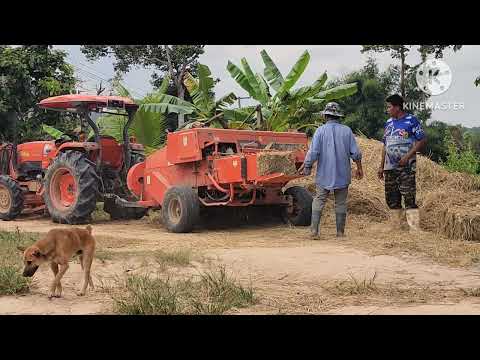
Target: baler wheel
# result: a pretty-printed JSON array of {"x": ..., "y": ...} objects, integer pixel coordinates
[
  {"x": 11, "y": 198},
  {"x": 300, "y": 212},
  {"x": 180, "y": 209}
]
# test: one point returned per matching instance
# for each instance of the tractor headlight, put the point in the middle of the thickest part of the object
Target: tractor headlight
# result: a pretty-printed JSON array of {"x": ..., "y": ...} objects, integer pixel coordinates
[{"x": 47, "y": 148}]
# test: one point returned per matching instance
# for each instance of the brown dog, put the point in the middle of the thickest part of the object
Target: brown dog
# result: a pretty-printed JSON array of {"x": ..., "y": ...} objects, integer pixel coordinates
[{"x": 58, "y": 246}]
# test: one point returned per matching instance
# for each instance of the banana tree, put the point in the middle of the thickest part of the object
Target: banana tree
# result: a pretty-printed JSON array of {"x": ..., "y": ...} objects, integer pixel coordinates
[
  {"x": 287, "y": 107},
  {"x": 52, "y": 132},
  {"x": 205, "y": 108},
  {"x": 149, "y": 125},
  {"x": 208, "y": 110}
]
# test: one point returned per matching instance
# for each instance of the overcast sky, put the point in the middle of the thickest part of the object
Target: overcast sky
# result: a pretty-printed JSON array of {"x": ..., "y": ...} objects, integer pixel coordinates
[{"x": 337, "y": 60}]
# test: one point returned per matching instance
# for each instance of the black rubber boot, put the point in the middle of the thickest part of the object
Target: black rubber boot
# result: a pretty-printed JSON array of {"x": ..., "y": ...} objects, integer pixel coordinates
[
  {"x": 315, "y": 225},
  {"x": 340, "y": 219}
]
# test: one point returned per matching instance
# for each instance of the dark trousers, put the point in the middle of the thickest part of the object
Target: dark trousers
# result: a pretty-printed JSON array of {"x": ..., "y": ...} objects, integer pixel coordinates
[{"x": 400, "y": 182}]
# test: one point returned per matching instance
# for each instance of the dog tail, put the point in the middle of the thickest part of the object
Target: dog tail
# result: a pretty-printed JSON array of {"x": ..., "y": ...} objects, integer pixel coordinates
[{"x": 89, "y": 229}]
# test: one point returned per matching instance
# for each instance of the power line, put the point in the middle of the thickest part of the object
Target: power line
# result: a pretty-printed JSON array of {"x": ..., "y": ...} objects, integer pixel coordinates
[
  {"x": 98, "y": 72},
  {"x": 96, "y": 77}
]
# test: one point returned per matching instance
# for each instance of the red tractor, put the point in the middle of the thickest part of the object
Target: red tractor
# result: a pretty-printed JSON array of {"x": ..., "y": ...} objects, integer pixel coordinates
[
  {"x": 208, "y": 167},
  {"x": 67, "y": 177}
]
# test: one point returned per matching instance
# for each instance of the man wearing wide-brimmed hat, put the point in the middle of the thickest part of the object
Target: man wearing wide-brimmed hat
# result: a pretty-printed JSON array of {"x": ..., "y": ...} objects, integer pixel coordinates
[{"x": 333, "y": 147}]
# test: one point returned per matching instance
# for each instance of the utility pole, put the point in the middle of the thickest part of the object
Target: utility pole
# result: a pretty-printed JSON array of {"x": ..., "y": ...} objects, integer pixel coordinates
[{"x": 239, "y": 98}]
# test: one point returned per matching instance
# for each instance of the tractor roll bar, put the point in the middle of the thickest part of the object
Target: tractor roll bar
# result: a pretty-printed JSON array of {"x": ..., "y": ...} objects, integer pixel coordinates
[
  {"x": 126, "y": 140},
  {"x": 96, "y": 133}
]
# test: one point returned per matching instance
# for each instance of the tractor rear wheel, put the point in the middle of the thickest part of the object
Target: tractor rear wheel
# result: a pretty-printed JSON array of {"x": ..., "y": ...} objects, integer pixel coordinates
[
  {"x": 299, "y": 213},
  {"x": 180, "y": 209},
  {"x": 71, "y": 188},
  {"x": 11, "y": 198}
]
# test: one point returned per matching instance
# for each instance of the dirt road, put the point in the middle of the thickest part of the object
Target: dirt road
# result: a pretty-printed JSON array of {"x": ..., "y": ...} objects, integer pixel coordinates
[{"x": 291, "y": 273}]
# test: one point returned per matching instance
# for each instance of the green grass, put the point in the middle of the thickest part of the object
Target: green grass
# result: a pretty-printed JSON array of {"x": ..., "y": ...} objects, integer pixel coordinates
[
  {"x": 215, "y": 293},
  {"x": 103, "y": 255},
  {"x": 174, "y": 258},
  {"x": 154, "y": 217},
  {"x": 221, "y": 293},
  {"x": 99, "y": 214},
  {"x": 354, "y": 286},
  {"x": 11, "y": 263}
]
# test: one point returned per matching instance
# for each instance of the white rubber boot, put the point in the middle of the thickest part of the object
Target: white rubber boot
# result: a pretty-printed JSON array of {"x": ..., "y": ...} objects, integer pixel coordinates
[
  {"x": 397, "y": 219},
  {"x": 413, "y": 219}
]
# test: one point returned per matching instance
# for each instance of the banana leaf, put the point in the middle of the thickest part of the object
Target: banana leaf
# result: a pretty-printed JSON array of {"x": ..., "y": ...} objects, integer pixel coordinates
[
  {"x": 263, "y": 95},
  {"x": 294, "y": 74},
  {"x": 337, "y": 92},
  {"x": 252, "y": 80},
  {"x": 271, "y": 72},
  {"x": 309, "y": 91},
  {"x": 240, "y": 78},
  {"x": 54, "y": 133},
  {"x": 238, "y": 114},
  {"x": 169, "y": 104},
  {"x": 239, "y": 125},
  {"x": 228, "y": 99}
]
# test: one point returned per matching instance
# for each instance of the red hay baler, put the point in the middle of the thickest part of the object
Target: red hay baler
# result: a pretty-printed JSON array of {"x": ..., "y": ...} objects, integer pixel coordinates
[{"x": 205, "y": 167}]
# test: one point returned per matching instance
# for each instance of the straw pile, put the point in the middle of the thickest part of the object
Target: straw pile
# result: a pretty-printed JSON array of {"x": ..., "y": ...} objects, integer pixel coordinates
[
  {"x": 449, "y": 202},
  {"x": 453, "y": 213},
  {"x": 270, "y": 162}
]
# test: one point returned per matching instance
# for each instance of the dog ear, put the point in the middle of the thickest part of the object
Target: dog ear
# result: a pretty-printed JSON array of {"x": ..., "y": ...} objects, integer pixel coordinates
[{"x": 21, "y": 248}]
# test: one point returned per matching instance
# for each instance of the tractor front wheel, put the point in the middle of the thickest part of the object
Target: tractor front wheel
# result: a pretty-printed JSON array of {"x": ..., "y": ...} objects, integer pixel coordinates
[
  {"x": 180, "y": 209},
  {"x": 71, "y": 188},
  {"x": 11, "y": 198},
  {"x": 299, "y": 212}
]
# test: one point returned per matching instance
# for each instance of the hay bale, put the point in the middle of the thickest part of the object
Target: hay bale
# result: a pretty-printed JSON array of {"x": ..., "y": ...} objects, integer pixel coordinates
[
  {"x": 270, "y": 162},
  {"x": 455, "y": 214}
]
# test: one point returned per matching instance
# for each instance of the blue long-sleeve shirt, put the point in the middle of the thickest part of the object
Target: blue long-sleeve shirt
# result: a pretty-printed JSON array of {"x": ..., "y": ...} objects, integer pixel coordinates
[{"x": 332, "y": 147}]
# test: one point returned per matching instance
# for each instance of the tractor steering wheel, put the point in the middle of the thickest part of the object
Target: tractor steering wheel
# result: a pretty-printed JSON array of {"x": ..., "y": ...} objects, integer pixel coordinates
[{"x": 62, "y": 140}]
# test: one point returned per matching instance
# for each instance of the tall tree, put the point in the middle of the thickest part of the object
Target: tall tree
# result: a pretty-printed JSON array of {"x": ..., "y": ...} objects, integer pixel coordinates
[
  {"x": 401, "y": 51},
  {"x": 174, "y": 60},
  {"x": 29, "y": 74},
  {"x": 365, "y": 110}
]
